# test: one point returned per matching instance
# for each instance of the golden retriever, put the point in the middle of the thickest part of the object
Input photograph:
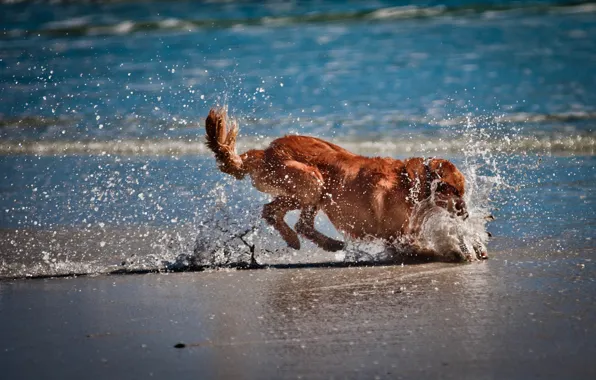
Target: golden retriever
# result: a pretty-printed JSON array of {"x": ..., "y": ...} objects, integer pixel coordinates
[{"x": 363, "y": 197}]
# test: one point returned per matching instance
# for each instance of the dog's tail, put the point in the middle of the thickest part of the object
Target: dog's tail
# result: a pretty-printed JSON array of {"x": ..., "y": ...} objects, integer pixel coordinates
[{"x": 223, "y": 142}]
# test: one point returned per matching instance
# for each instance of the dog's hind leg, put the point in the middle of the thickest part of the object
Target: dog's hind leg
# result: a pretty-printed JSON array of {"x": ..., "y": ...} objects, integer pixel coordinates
[
  {"x": 306, "y": 228},
  {"x": 296, "y": 185},
  {"x": 274, "y": 213}
]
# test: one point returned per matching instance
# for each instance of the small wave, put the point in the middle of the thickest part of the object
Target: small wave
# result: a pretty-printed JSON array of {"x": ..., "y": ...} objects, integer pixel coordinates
[
  {"x": 408, "y": 11},
  {"x": 556, "y": 144},
  {"x": 35, "y": 121},
  {"x": 535, "y": 118},
  {"x": 511, "y": 118},
  {"x": 578, "y": 8},
  {"x": 350, "y": 121},
  {"x": 32, "y": 121},
  {"x": 84, "y": 26}
]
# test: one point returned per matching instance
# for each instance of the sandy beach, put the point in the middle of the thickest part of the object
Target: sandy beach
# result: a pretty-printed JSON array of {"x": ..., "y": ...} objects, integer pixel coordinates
[{"x": 509, "y": 317}]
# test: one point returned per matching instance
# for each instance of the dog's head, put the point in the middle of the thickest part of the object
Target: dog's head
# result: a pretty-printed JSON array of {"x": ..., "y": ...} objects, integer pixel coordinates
[{"x": 451, "y": 199}]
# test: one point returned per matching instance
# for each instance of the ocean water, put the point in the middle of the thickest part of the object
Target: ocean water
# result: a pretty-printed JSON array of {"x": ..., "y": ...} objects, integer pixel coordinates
[{"x": 102, "y": 161}]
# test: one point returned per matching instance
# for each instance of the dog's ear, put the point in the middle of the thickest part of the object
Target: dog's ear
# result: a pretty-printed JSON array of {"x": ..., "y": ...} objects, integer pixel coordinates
[{"x": 447, "y": 189}]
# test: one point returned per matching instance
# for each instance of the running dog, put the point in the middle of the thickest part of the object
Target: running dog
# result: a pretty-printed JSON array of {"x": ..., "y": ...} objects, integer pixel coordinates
[{"x": 364, "y": 197}]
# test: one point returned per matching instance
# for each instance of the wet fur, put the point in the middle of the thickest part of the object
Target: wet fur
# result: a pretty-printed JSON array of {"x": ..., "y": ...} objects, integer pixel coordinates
[{"x": 363, "y": 197}]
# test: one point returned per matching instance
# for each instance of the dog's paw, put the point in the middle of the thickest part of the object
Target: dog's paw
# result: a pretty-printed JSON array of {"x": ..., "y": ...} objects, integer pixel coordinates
[
  {"x": 293, "y": 243},
  {"x": 480, "y": 251},
  {"x": 472, "y": 252}
]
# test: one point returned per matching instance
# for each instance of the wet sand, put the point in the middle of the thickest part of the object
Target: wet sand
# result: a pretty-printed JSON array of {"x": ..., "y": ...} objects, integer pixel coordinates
[{"x": 513, "y": 316}]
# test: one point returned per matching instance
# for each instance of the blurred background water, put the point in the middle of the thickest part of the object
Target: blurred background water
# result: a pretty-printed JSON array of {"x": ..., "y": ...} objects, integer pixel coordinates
[{"x": 102, "y": 164}]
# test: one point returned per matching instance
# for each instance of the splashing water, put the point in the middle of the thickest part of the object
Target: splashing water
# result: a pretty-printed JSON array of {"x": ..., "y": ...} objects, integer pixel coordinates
[
  {"x": 465, "y": 239},
  {"x": 227, "y": 230},
  {"x": 227, "y": 240},
  {"x": 91, "y": 98}
]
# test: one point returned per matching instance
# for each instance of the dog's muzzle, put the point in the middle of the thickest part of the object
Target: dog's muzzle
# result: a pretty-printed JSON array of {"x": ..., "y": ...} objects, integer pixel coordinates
[
  {"x": 461, "y": 209},
  {"x": 455, "y": 205}
]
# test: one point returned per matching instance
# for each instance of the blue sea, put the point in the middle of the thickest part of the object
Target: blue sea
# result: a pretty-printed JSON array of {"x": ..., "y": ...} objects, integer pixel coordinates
[{"x": 103, "y": 168}]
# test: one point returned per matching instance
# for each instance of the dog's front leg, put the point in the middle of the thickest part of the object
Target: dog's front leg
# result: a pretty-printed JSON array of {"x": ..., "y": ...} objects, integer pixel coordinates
[{"x": 306, "y": 228}]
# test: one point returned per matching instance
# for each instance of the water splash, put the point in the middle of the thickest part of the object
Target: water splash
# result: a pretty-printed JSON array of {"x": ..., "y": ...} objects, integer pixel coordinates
[
  {"x": 441, "y": 235},
  {"x": 227, "y": 230},
  {"x": 483, "y": 165}
]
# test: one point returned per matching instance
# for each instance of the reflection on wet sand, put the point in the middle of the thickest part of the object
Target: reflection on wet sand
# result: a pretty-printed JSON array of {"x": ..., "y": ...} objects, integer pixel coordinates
[{"x": 369, "y": 315}]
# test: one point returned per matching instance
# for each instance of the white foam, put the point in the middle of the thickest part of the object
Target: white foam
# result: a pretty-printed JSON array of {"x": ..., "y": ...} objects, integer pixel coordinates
[
  {"x": 408, "y": 11},
  {"x": 554, "y": 143}
]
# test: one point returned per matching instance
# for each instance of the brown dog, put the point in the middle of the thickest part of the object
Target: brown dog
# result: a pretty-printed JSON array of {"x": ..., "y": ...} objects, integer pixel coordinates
[{"x": 362, "y": 196}]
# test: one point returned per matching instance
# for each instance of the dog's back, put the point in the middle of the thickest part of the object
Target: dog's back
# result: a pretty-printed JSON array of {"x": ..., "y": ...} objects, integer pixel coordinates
[
  {"x": 306, "y": 149},
  {"x": 369, "y": 196}
]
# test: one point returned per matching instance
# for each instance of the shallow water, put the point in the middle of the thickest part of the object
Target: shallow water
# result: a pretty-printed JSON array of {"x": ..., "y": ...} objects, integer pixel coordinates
[{"x": 101, "y": 109}]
